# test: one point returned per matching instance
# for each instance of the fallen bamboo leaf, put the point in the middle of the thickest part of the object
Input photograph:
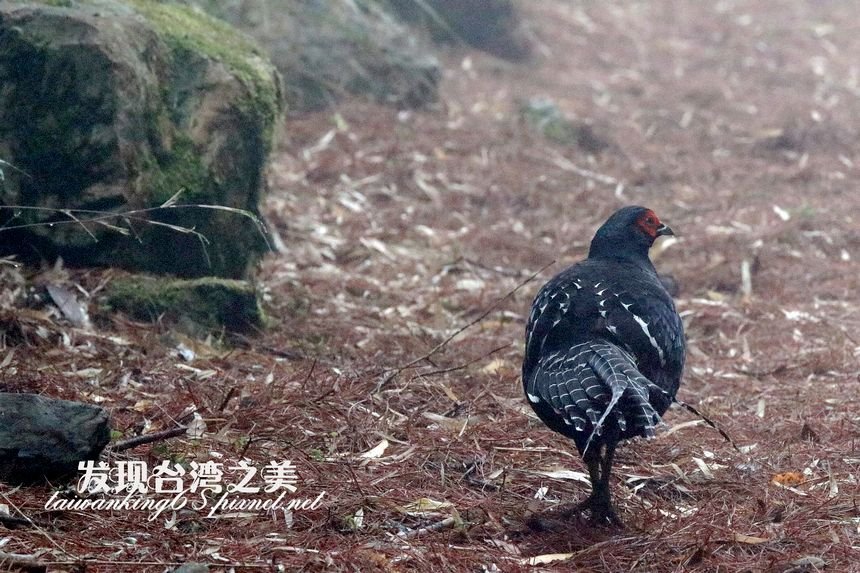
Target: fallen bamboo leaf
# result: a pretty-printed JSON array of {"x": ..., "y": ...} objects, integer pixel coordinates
[
  {"x": 143, "y": 405},
  {"x": 563, "y": 474},
  {"x": 547, "y": 558},
  {"x": 682, "y": 426},
  {"x": 791, "y": 489},
  {"x": 833, "y": 486},
  {"x": 494, "y": 366},
  {"x": 682, "y": 511},
  {"x": 746, "y": 279},
  {"x": 376, "y": 451},
  {"x": 424, "y": 506},
  {"x": 781, "y": 213},
  {"x": 74, "y": 311},
  {"x": 496, "y": 474},
  {"x": 356, "y": 521},
  {"x": 471, "y": 285},
  {"x": 198, "y": 373},
  {"x": 703, "y": 467},
  {"x": 750, "y": 539},
  {"x": 197, "y": 427},
  {"x": 84, "y": 373},
  {"x": 450, "y": 393},
  {"x": 454, "y": 424},
  {"x": 7, "y": 359}
]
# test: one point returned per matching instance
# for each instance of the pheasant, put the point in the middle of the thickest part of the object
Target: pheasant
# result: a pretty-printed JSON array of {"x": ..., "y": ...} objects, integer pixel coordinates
[{"x": 605, "y": 349}]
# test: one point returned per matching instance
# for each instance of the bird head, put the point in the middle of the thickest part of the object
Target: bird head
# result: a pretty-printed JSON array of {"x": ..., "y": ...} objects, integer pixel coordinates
[{"x": 628, "y": 234}]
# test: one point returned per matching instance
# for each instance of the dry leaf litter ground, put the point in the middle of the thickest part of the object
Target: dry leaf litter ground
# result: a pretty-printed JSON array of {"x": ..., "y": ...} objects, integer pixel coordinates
[{"x": 736, "y": 121}]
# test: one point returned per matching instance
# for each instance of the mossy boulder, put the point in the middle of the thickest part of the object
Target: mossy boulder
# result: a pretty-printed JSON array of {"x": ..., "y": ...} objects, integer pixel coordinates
[
  {"x": 198, "y": 304},
  {"x": 116, "y": 105},
  {"x": 326, "y": 49}
]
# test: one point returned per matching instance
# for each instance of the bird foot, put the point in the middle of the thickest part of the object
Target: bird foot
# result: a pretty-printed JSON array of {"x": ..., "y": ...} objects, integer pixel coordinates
[
  {"x": 600, "y": 510},
  {"x": 605, "y": 515}
]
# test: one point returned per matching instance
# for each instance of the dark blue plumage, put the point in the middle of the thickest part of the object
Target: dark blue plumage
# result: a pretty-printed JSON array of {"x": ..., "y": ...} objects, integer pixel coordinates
[{"x": 605, "y": 348}]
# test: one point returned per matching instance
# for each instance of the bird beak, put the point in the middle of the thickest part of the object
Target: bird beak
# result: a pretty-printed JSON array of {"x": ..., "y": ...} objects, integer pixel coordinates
[{"x": 664, "y": 229}]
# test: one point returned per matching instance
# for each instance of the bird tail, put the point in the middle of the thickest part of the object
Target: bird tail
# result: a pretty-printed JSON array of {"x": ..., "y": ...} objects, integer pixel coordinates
[{"x": 616, "y": 369}]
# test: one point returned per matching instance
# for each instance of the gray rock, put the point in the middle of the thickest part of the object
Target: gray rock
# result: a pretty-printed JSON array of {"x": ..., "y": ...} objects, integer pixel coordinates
[
  {"x": 807, "y": 564},
  {"x": 493, "y": 26},
  {"x": 44, "y": 438},
  {"x": 326, "y": 49},
  {"x": 116, "y": 105}
]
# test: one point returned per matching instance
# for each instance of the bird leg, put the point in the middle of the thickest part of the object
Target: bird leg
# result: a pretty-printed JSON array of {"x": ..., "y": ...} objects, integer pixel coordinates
[{"x": 599, "y": 503}]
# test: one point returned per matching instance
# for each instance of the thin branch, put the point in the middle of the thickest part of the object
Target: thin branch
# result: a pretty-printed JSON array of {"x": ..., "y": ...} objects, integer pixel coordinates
[
  {"x": 147, "y": 439},
  {"x": 34, "y": 564},
  {"x": 227, "y": 398},
  {"x": 708, "y": 421},
  {"x": 444, "y": 343},
  {"x": 462, "y": 366},
  {"x": 309, "y": 374},
  {"x": 21, "y": 561},
  {"x": 68, "y": 213},
  {"x": 12, "y": 522},
  {"x": 134, "y": 215}
]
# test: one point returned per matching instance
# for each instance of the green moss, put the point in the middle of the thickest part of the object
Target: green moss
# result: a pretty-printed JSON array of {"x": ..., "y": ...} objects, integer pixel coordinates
[
  {"x": 165, "y": 143},
  {"x": 182, "y": 168},
  {"x": 185, "y": 30},
  {"x": 208, "y": 302},
  {"x": 61, "y": 3}
]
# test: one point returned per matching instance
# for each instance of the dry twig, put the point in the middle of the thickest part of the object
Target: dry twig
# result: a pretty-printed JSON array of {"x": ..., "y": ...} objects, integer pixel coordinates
[
  {"x": 123, "y": 445},
  {"x": 444, "y": 343}
]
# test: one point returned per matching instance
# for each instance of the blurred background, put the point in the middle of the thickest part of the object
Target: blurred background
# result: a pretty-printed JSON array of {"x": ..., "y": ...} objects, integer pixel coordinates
[{"x": 380, "y": 174}]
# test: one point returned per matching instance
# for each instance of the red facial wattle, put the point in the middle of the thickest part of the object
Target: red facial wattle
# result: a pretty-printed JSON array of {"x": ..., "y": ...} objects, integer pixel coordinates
[{"x": 650, "y": 224}]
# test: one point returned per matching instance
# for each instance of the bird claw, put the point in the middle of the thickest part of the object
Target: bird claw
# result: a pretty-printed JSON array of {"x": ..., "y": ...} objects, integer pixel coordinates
[
  {"x": 600, "y": 510},
  {"x": 605, "y": 515}
]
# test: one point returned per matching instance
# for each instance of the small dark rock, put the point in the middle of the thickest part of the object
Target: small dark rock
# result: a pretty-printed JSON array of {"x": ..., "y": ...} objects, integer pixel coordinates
[
  {"x": 807, "y": 564},
  {"x": 188, "y": 521},
  {"x": 808, "y": 434},
  {"x": 42, "y": 438},
  {"x": 544, "y": 116}
]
